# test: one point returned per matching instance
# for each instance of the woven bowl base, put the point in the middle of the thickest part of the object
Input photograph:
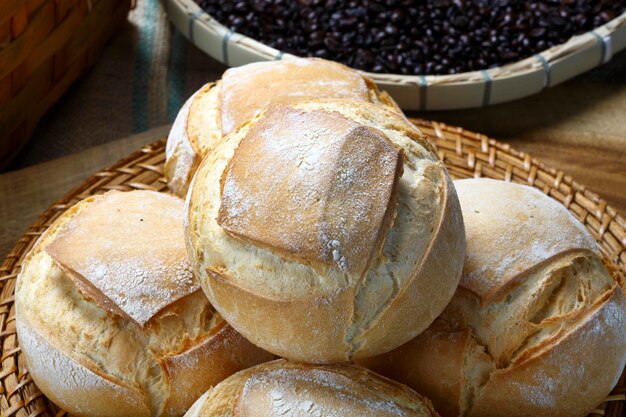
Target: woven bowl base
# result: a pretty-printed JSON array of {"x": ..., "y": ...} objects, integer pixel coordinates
[{"x": 466, "y": 155}]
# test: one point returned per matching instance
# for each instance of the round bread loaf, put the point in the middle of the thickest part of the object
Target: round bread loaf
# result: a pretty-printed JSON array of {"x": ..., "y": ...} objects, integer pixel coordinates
[
  {"x": 109, "y": 317},
  {"x": 218, "y": 108},
  {"x": 538, "y": 324},
  {"x": 282, "y": 388},
  {"x": 326, "y": 230}
]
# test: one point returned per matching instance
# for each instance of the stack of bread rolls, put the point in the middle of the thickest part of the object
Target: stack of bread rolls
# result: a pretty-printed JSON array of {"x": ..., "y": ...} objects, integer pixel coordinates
[
  {"x": 319, "y": 227},
  {"x": 218, "y": 108},
  {"x": 537, "y": 326},
  {"x": 110, "y": 318}
]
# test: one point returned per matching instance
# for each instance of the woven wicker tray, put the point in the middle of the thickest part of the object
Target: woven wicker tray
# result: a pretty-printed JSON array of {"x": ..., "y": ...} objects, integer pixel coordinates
[
  {"x": 432, "y": 92},
  {"x": 466, "y": 155}
]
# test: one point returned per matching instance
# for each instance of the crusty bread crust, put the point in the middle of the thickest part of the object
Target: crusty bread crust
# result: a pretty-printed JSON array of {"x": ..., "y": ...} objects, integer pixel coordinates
[
  {"x": 198, "y": 126},
  {"x": 87, "y": 359},
  {"x": 323, "y": 314},
  {"x": 206, "y": 364},
  {"x": 336, "y": 166},
  {"x": 568, "y": 377},
  {"x": 446, "y": 348},
  {"x": 436, "y": 275},
  {"x": 285, "y": 82},
  {"x": 80, "y": 388},
  {"x": 541, "y": 334},
  {"x": 136, "y": 280},
  {"x": 193, "y": 133},
  {"x": 286, "y": 388},
  {"x": 523, "y": 232}
]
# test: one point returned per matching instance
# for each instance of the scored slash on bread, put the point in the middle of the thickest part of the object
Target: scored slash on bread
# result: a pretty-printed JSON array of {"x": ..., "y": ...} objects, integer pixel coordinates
[
  {"x": 537, "y": 227},
  {"x": 537, "y": 325},
  {"x": 218, "y": 108},
  {"x": 135, "y": 344},
  {"x": 321, "y": 167},
  {"x": 309, "y": 308},
  {"x": 282, "y": 388},
  {"x": 136, "y": 280}
]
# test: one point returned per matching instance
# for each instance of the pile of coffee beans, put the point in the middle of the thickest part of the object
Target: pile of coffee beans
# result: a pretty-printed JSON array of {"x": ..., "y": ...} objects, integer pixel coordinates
[{"x": 414, "y": 37}]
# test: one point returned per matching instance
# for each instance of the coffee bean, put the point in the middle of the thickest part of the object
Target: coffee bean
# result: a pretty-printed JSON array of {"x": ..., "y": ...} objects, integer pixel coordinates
[{"x": 414, "y": 36}]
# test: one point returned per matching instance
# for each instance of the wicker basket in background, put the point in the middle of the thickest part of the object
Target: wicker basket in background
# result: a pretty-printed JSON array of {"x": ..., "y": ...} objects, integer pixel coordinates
[
  {"x": 45, "y": 45},
  {"x": 431, "y": 92}
]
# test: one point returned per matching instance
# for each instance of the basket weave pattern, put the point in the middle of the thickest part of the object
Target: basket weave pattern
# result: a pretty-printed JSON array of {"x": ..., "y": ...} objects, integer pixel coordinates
[
  {"x": 425, "y": 92},
  {"x": 45, "y": 45},
  {"x": 466, "y": 155}
]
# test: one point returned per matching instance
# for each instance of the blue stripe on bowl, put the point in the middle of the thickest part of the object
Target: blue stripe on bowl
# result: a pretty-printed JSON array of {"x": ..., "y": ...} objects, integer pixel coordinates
[
  {"x": 547, "y": 68},
  {"x": 605, "y": 44},
  {"x": 225, "y": 46},
  {"x": 192, "y": 19}
]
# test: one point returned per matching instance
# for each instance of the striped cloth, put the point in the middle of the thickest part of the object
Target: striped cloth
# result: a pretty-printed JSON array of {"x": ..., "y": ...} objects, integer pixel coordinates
[{"x": 143, "y": 77}]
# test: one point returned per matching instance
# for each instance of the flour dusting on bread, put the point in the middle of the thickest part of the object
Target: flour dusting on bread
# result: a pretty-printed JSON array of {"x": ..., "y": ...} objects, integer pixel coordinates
[
  {"x": 114, "y": 269},
  {"x": 537, "y": 227},
  {"x": 342, "y": 311},
  {"x": 538, "y": 322},
  {"x": 246, "y": 90},
  {"x": 282, "y": 388},
  {"x": 326, "y": 192},
  {"x": 108, "y": 352},
  {"x": 65, "y": 378}
]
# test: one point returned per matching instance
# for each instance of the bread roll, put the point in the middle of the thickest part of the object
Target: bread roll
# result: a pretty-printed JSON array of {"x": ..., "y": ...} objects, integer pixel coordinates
[
  {"x": 110, "y": 319},
  {"x": 318, "y": 228},
  {"x": 283, "y": 388},
  {"x": 538, "y": 324},
  {"x": 218, "y": 108}
]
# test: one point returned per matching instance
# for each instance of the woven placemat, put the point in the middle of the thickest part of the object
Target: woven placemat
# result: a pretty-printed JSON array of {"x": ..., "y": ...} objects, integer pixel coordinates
[{"x": 466, "y": 155}]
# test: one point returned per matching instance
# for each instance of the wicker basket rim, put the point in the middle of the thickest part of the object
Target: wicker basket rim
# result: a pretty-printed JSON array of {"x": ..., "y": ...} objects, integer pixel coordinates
[
  {"x": 466, "y": 155},
  {"x": 519, "y": 68}
]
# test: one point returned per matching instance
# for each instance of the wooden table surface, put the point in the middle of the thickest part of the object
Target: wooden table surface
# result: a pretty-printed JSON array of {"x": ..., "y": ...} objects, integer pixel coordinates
[{"x": 578, "y": 127}]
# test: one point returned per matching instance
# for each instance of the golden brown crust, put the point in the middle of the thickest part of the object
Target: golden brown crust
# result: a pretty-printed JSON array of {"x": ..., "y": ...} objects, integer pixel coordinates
[
  {"x": 319, "y": 313},
  {"x": 198, "y": 126},
  {"x": 284, "y": 82},
  {"x": 321, "y": 166},
  {"x": 193, "y": 134},
  {"x": 379, "y": 97},
  {"x": 446, "y": 350},
  {"x": 81, "y": 387},
  {"x": 156, "y": 261},
  {"x": 437, "y": 273},
  {"x": 224, "y": 352},
  {"x": 85, "y": 358},
  {"x": 548, "y": 340},
  {"x": 291, "y": 337},
  {"x": 521, "y": 230},
  {"x": 294, "y": 389},
  {"x": 565, "y": 379}
]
